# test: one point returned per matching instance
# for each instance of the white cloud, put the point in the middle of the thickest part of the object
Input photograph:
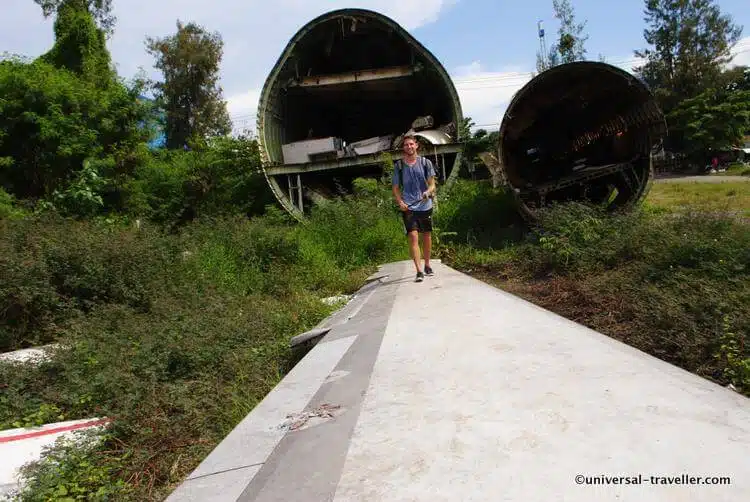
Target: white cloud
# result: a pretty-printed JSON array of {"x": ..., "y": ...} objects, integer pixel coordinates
[
  {"x": 255, "y": 32},
  {"x": 242, "y": 108},
  {"x": 741, "y": 53},
  {"x": 485, "y": 94}
]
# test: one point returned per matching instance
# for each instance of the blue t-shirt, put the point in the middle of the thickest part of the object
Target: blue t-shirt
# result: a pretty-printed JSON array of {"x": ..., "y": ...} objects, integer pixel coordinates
[{"x": 415, "y": 183}]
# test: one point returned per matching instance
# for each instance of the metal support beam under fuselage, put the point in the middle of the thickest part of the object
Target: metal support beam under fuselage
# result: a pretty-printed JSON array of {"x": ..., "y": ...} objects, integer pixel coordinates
[{"x": 295, "y": 186}]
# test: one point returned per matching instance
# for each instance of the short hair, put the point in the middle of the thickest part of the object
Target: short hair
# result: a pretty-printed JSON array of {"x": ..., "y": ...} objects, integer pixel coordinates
[{"x": 411, "y": 137}]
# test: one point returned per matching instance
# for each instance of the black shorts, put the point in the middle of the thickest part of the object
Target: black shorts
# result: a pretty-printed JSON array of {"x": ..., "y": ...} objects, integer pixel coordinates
[{"x": 421, "y": 221}]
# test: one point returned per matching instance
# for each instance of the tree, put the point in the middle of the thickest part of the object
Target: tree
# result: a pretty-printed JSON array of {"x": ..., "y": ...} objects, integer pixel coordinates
[
  {"x": 101, "y": 10},
  {"x": 65, "y": 115},
  {"x": 570, "y": 43},
  {"x": 691, "y": 41},
  {"x": 79, "y": 45},
  {"x": 464, "y": 129},
  {"x": 716, "y": 119},
  {"x": 190, "y": 95},
  {"x": 52, "y": 121}
]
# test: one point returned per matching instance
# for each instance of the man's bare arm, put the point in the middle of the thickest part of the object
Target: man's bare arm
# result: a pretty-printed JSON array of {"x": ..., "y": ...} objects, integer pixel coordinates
[{"x": 431, "y": 186}]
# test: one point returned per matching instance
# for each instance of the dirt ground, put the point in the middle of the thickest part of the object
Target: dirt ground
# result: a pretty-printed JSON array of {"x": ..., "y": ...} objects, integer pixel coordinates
[{"x": 567, "y": 298}]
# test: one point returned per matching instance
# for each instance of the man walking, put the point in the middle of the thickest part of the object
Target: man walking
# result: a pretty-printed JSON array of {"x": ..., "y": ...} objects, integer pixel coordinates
[{"x": 413, "y": 189}]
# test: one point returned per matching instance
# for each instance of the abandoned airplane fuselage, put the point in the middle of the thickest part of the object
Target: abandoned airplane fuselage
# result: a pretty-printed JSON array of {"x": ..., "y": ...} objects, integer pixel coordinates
[
  {"x": 347, "y": 87},
  {"x": 581, "y": 131}
]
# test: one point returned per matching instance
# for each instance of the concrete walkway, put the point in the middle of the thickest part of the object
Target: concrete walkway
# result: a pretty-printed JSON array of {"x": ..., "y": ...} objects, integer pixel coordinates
[{"x": 452, "y": 390}]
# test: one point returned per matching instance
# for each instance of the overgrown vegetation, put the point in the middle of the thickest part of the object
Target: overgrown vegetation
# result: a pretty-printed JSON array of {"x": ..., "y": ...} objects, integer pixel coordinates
[
  {"x": 52, "y": 121},
  {"x": 176, "y": 336}
]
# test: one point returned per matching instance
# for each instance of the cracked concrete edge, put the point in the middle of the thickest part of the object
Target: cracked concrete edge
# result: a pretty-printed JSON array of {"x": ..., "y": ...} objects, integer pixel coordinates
[
  {"x": 359, "y": 299},
  {"x": 233, "y": 464},
  {"x": 308, "y": 336}
]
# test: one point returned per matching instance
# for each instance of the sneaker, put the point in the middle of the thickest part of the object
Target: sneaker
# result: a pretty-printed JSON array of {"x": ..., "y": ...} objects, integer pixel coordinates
[
  {"x": 428, "y": 271},
  {"x": 420, "y": 277}
]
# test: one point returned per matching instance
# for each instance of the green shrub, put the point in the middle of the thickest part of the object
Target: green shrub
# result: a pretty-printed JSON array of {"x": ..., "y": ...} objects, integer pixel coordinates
[
  {"x": 576, "y": 239},
  {"x": 70, "y": 471},
  {"x": 54, "y": 269},
  {"x": 52, "y": 121},
  {"x": 173, "y": 187},
  {"x": 357, "y": 231},
  {"x": 158, "y": 190},
  {"x": 478, "y": 215},
  {"x": 8, "y": 207}
]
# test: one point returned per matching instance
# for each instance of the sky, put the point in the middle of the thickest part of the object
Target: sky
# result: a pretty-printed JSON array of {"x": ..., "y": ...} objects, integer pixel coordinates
[{"x": 489, "y": 47}]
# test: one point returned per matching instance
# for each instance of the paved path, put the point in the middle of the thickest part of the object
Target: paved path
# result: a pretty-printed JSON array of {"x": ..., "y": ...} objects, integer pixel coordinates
[{"x": 452, "y": 390}]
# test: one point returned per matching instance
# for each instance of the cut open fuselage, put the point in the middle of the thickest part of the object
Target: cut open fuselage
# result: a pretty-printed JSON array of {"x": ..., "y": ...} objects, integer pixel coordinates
[{"x": 348, "y": 85}]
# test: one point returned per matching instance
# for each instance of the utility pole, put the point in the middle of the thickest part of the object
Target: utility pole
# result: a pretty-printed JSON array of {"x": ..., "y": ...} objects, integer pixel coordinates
[{"x": 542, "y": 43}]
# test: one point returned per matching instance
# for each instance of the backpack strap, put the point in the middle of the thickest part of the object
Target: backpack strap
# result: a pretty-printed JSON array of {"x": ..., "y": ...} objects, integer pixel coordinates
[{"x": 400, "y": 170}]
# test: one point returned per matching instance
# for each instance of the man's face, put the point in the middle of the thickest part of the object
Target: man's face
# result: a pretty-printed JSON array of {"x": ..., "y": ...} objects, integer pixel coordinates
[{"x": 410, "y": 147}]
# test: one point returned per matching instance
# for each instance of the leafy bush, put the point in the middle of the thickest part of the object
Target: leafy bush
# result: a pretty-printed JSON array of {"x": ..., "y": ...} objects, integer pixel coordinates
[
  {"x": 358, "y": 229},
  {"x": 478, "y": 215},
  {"x": 83, "y": 196},
  {"x": 54, "y": 269},
  {"x": 52, "y": 121},
  {"x": 8, "y": 207},
  {"x": 70, "y": 472},
  {"x": 576, "y": 239},
  {"x": 173, "y": 187}
]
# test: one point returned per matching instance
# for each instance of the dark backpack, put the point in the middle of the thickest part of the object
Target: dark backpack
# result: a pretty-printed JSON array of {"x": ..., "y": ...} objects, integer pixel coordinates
[{"x": 399, "y": 167}]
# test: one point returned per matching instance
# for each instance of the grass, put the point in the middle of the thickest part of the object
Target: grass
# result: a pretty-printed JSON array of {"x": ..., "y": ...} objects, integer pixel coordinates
[
  {"x": 737, "y": 169},
  {"x": 712, "y": 197},
  {"x": 175, "y": 336}
]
